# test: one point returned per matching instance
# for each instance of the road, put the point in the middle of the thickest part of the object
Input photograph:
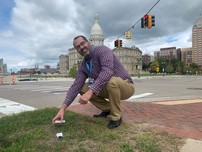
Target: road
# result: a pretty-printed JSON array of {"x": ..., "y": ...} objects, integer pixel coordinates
[{"x": 51, "y": 93}]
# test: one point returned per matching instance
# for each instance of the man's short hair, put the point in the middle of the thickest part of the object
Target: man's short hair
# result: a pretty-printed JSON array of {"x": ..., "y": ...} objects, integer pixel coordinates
[{"x": 80, "y": 36}]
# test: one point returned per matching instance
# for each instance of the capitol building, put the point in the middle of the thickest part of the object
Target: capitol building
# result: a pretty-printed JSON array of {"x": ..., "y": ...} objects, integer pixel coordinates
[{"x": 129, "y": 57}]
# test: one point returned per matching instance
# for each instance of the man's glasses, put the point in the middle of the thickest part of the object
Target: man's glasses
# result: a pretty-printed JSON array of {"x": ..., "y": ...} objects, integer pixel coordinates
[{"x": 77, "y": 47}]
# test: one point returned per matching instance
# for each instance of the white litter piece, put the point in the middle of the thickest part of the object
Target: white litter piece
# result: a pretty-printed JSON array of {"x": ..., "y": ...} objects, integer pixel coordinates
[
  {"x": 59, "y": 121},
  {"x": 59, "y": 135}
]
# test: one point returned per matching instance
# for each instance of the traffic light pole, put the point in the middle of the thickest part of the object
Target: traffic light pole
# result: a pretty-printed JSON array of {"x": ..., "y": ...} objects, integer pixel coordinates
[
  {"x": 163, "y": 63},
  {"x": 138, "y": 67}
]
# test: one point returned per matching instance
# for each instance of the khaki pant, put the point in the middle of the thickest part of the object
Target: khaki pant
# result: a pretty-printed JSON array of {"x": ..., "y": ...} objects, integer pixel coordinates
[{"x": 115, "y": 90}]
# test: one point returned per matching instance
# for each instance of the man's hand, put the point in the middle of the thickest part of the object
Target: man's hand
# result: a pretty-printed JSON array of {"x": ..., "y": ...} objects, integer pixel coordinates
[
  {"x": 60, "y": 114},
  {"x": 86, "y": 97}
]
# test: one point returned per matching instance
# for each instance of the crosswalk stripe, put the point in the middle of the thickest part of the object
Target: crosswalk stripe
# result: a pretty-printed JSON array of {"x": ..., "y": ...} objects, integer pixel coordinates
[
  {"x": 45, "y": 89},
  {"x": 60, "y": 93},
  {"x": 9, "y": 107},
  {"x": 140, "y": 95}
]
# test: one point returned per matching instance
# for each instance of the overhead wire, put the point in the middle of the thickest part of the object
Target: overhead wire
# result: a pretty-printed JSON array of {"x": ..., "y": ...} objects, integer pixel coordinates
[{"x": 133, "y": 26}]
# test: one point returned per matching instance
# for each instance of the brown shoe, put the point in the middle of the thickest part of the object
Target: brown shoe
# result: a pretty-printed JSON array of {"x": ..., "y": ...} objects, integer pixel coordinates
[{"x": 102, "y": 114}]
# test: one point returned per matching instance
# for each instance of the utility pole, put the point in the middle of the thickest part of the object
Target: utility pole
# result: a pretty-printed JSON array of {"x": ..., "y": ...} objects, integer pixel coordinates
[{"x": 138, "y": 67}]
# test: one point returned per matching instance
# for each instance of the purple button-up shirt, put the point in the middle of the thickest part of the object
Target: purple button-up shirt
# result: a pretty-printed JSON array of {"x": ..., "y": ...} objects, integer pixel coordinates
[{"x": 105, "y": 65}]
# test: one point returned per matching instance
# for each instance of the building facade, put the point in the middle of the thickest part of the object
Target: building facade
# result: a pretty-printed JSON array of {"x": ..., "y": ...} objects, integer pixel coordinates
[
  {"x": 186, "y": 55},
  {"x": 131, "y": 58},
  {"x": 146, "y": 59},
  {"x": 3, "y": 67},
  {"x": 168, "y": 53},
  {"x": 64, "y": 64},
  {"x": 74, "y": 57},
  {"x": 156, "y": 55},
  {"x": 197, "y": 42}
]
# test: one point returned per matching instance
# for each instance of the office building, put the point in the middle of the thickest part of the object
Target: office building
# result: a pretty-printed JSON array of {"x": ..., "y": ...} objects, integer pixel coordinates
[
  {"x": 186, "y": 55},
  {"x": 197, "y": 42}
]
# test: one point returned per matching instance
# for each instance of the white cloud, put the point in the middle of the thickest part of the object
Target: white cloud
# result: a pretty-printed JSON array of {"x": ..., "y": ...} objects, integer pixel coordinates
[{"x": 41, "y": 30}]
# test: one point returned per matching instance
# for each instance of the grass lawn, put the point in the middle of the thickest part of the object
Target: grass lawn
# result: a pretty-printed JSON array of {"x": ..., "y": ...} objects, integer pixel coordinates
[{"x": 33, "y": 132}]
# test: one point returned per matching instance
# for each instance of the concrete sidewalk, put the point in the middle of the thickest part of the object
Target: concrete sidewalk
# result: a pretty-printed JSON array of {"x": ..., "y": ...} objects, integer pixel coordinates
[{"x": 182, "y": 118}]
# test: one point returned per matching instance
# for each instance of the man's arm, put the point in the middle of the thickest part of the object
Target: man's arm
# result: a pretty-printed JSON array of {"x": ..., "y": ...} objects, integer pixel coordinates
[
  {"x": 75, "y": 87},
  {"x": 106, "y": 60},
  {"x": 71, "y": 94},
  {"x": 86, "y": 97}
]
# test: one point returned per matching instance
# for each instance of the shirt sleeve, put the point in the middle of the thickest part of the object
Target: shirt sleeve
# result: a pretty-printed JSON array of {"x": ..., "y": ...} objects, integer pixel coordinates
[
  {"x": 75, "y": 87},
  {"x": 105, "y": 57}
]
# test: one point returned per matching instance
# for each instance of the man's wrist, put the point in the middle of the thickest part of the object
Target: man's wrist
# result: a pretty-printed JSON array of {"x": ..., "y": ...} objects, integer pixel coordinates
[
  {"x": 64, "y": 106},
  {"x": 90, "y": 91}
]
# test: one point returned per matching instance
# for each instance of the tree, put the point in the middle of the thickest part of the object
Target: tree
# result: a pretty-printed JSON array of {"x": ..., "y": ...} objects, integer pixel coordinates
[
  {"x": 179, "y": 69},
  {"x": 162, "y": 64},
  {"x": 154, "y": 65},
  {"x": 194, "y": 68},
  {"x": 169, "y": 68},
  {"x": 73, "y": 71},
  {"x": 186, "y": 69},
  {"x": 174, "y": 63},
  {"x": 180, "y": 66},
  {"x": 144, "y": 66}
]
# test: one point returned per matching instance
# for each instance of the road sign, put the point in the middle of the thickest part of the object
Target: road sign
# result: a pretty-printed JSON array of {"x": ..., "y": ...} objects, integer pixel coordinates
[{"x": 157, "y": 69}]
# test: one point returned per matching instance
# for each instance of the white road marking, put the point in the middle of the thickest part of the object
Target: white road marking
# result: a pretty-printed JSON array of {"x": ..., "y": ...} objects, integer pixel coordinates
[
  {"x": 57, "y": 90},
  {"x": 178, "y": 102},
  {"x": 140, "y": 95},
  {"x": 49, "y": 89},
  {"x": 45, "y": 89},
  {"x": 9, "y": 107},
  {"x": 60, "y": 93}
]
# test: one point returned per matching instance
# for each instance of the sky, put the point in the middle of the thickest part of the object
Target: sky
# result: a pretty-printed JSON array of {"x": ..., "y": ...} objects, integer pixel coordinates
[{"x": 37, "y": 32}]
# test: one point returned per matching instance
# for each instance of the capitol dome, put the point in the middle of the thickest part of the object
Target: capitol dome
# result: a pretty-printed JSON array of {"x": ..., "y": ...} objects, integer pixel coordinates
[{"x": 96, "y": 35}]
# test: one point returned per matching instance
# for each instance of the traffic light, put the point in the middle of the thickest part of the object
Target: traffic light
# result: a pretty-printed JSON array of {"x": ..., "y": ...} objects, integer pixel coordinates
[
  {"x": 116, "y": 43},
  {"x": 142, "y": 22},
  {"x": 146, "y": 21},
  {"x": 151, "y": 21},
  {"x": 119, "y": 44}
]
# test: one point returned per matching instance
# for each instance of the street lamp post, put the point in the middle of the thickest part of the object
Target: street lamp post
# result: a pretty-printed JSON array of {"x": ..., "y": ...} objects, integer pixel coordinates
[
  {"x": 138, "y": 67},
  {"x": 163, "y": 68}
]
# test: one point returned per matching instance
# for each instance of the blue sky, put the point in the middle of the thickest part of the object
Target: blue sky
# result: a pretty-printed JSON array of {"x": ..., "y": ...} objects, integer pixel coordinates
[
  {"x": 39, "y": 31},
  {"x": 5, "y": 13}
]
